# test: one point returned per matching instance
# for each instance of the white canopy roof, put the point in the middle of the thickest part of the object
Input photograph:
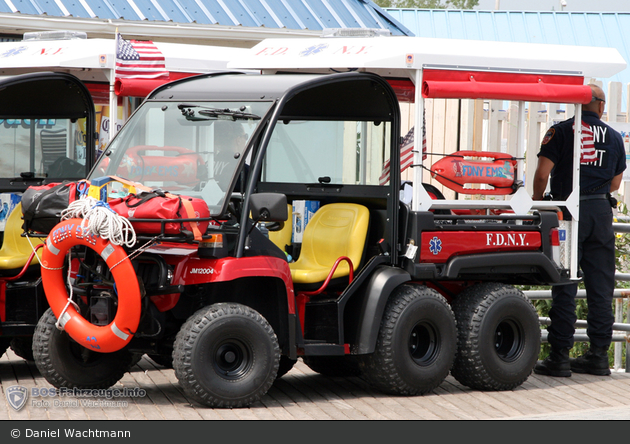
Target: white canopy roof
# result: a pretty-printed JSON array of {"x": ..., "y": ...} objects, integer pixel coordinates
[
  {"x": 94, "y": 59},
  {"x": 392, "y": 56}
]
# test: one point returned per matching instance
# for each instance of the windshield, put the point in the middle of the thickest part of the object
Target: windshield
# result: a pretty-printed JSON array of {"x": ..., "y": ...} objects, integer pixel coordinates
[{"x": 194, "y": 149}]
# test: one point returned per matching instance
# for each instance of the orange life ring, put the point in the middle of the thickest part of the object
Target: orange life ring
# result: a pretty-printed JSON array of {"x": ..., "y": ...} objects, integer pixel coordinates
[{"x": 118, "y": 333}]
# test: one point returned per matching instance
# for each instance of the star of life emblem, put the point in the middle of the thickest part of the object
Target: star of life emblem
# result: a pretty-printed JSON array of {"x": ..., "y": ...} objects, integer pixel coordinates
[
  {"x": 435, "y": 245},
  {"x": 16, "y": 396}
]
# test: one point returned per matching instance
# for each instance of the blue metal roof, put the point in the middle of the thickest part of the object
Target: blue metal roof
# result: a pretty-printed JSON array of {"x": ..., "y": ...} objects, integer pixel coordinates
[
  {"x": 599, "y": 29},
  {"x": 290, "y": 14}
]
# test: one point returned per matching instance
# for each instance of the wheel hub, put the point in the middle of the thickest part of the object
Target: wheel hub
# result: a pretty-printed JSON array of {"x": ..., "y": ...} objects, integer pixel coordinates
[
  {"x": 232, "y": 359},
  {"x": 424, "y": 344},
  {"x": 508, "y": 341}
]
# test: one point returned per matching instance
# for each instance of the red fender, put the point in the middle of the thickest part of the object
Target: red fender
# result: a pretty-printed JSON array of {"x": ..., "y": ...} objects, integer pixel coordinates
[
  {"x": 118, "y": 333},
  {"x": 459, "y": 170}
]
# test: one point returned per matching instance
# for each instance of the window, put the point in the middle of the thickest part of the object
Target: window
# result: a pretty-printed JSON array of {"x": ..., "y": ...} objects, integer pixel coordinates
[
  {"x": 52, "y": 148},
  {"x": 345, "y": 152}
]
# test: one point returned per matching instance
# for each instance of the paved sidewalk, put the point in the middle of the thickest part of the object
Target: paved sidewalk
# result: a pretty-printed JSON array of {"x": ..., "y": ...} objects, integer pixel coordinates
[
  {"x": 305, "y": 395},
  {"x": 603, "y": 414}
]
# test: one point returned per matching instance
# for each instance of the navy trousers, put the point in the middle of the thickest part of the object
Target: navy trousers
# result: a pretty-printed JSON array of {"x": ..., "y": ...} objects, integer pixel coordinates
[{"x": 596, "y": 257}]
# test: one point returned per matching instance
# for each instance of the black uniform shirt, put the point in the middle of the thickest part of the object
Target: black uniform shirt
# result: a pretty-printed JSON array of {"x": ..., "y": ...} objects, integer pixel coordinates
[{"x": 603, "y": 156}]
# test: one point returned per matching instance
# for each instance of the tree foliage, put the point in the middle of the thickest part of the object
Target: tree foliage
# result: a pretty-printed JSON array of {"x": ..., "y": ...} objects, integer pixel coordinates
[{"x": 428, "y": 4}]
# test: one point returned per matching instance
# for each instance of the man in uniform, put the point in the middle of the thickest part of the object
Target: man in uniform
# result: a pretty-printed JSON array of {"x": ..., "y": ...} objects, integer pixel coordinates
[{"x": 602, "y": 164}]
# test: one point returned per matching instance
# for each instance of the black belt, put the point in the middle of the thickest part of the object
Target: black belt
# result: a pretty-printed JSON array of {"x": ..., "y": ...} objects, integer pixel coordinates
[{"x": 593, "y": 196}]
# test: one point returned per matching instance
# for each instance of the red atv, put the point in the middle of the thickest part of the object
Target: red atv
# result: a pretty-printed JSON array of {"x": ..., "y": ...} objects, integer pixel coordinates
[{"x": 224, "y": 283}]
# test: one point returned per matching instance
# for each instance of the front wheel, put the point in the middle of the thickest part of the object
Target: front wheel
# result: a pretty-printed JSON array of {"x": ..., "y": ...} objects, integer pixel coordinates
[
  {"x": 64, "y": 363},
  {"x": 499, "y": 337},
  {"x": 226, "y": 355},
  {"x": 416, "y": 343}
]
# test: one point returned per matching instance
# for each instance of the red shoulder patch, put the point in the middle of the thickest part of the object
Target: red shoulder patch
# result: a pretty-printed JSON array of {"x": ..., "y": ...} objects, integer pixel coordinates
[{"x": 548, "y": 136}]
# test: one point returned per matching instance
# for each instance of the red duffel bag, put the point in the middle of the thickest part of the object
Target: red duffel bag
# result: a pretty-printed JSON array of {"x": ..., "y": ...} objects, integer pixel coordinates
[{"x": 159, "y": 205}]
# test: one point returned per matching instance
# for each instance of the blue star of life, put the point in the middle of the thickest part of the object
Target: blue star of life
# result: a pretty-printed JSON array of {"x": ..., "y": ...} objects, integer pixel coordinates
[
  {"x": 435, "y": 245},
  {"x": 314, "y": 49}
]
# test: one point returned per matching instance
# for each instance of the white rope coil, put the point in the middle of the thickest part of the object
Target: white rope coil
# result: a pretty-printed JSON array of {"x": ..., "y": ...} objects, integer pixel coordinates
[{"x": 99, "y": 219}]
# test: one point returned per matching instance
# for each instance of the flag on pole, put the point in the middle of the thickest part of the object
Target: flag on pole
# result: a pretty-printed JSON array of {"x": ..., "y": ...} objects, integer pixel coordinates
[
  {"x": 137, "y": 59},
  {"x": 406, "y": 155}
]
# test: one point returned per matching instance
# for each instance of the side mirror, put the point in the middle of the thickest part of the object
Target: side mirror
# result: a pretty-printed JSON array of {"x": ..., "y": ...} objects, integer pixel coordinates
[{"x": 268, "y": 207}]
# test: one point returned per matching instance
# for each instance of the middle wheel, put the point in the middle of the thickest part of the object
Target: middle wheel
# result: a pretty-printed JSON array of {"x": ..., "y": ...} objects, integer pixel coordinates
[{"x": 416, "y": 343}]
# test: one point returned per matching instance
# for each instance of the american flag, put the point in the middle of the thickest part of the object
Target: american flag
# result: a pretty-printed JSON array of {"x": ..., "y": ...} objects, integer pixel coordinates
[
  {"x": 136, "y": 59},
  {"x": 587, "y": 145},
  {"x": 406, "y": 155}
]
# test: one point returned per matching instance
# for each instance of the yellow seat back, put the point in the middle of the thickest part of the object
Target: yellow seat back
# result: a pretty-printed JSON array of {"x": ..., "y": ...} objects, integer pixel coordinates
[
  {"x": 16, "y": 249},
  {"x": 283, "y": 237},
  {"x": 336, "y": 230}
]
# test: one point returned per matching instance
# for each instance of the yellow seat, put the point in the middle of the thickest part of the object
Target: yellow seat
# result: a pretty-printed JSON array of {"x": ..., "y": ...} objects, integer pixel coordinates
[
  {"x": 336, "y": 230},
  {"x": 282, "y": 237},
  {"x": 16, "y": 249}
]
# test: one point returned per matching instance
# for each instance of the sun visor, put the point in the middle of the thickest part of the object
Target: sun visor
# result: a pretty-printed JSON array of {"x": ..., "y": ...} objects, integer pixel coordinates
[{"x": 446, "y": 84}]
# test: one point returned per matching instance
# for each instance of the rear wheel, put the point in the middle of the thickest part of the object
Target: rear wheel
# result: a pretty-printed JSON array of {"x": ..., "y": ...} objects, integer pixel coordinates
[
  {"x": 64, "y": 363},
  {"x": 416, "y": 344},
  {"x": 226, "y": 355},
  {"x": 499, "y": 337}
]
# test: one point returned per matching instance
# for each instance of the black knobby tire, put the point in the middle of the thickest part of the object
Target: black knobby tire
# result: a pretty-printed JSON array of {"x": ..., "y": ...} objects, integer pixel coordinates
[
  {"x": 285, "y": 366},
  {"x": 23, "y": 347},
  {"x": 416, "y": 343},
  {"x": 226, "y": 355},
  {"x": 64, "y": 363},
  {"x": 333, "y": 365},
  {"x": 498, "y": 339}
]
